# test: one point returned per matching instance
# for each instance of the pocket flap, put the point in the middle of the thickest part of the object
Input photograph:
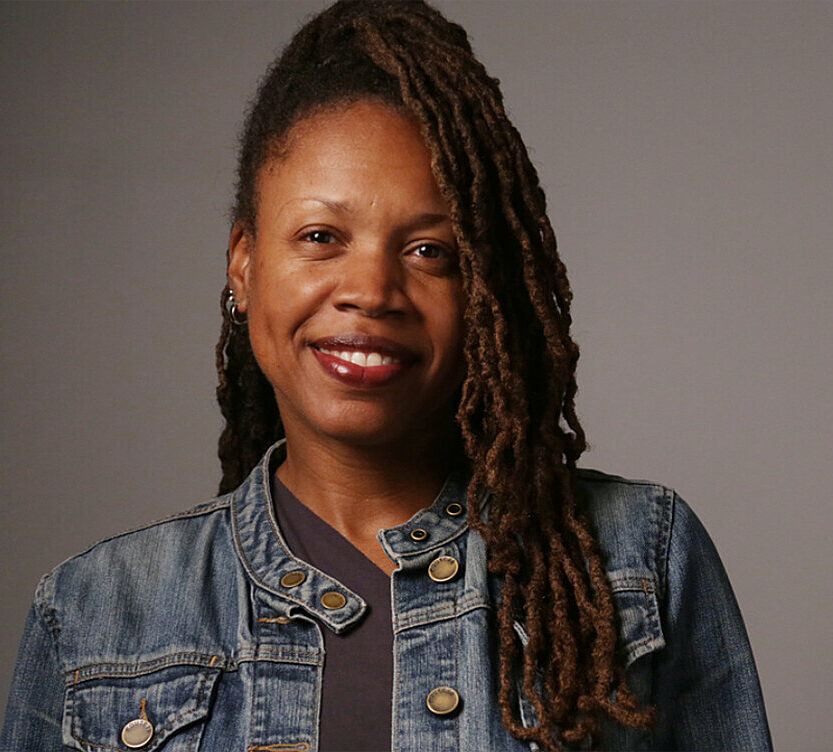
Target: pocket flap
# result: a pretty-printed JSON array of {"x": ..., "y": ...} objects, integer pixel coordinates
[
  {"x": 164, "y": 702},
  {"x": 637, "y": 609}
]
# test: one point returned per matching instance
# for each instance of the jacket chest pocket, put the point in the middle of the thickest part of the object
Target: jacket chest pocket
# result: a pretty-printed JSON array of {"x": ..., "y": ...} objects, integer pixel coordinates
[
  {"x": 637, "y": 611},
  {"x": 122, "y": 709},
  {"x": 640, "y": 633}
]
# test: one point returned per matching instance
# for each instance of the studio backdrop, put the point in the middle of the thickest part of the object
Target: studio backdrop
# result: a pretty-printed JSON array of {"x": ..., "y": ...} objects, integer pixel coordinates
[{"x": 686, "y": 153}]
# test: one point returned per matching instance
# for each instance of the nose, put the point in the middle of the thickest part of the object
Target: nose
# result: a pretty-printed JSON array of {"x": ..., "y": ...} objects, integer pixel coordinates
[{"x": 371, "y": 282}]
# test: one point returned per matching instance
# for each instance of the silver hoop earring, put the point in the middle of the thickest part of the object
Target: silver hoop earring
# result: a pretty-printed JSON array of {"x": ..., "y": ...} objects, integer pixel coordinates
[{"x": 235, "y": 314}]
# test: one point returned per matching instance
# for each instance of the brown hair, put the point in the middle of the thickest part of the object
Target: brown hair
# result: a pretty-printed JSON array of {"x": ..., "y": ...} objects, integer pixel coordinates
[{"x": 516, "y": 412}]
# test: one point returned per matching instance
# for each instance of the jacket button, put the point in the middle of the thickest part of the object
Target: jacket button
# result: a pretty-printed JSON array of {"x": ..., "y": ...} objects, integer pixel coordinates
[
  {"x": 418, "y": 534},
  {"x": 291, "y": 579},
  {"x": 333, "y": 600},
  {"x": 443, "y": 568},
  {"x": 137, "y": 733},
  {"x": 454, "y": 509},
  {"x": 442, "y": 700}
]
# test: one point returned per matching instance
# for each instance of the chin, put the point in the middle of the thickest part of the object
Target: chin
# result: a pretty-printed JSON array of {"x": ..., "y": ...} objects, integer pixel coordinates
[
  {"x": 363, "y": 435},
  {"x": 361, "y": 425}
]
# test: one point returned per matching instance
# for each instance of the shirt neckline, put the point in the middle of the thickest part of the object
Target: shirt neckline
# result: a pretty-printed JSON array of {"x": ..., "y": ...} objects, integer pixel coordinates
[{"x": 267, "y": 559}]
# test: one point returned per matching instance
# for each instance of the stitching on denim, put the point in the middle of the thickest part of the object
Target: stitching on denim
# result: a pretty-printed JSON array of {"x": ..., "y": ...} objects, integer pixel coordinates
[
  {"x": 196, "y": 732},
  {"x": 255, "y": 686},
  {"x": 625, "y": 584},
  {"x": 221, "y": 502},
  {"x": 663, "y": 541},
  {"x": 273, "y": 523},
  {"x": 289, "y": 747},
  {"x": 457, "y": 651},
  {"x": 643, "y": 641},
  {"x": 319, "y": 691},
  {"x": 394, "y": 726},
  {"x": 652, "y": 607},
  {"x": 264, "y": 653},
  {"x": 169, "y": 726},
  {"x": 463, "y": 603},
  {"x": 115, "y": 670},
  {"x": 47, "y": 614},
  {"x": 590, "y": 474},
  {"x": 443, "y": 617},
  {"x": 193, "y": 738},
  {"x": 647, "y": 587},
  {"x": 247, "y": 565},
  {"x": 435, "y": 545}
]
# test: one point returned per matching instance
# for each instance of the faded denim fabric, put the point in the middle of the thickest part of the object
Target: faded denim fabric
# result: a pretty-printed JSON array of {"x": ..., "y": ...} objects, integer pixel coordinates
[{"x": 189, "y": 614}]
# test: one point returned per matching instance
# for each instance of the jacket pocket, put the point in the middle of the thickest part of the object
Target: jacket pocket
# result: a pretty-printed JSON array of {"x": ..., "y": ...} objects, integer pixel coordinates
[
  {"x": 637, "y": 611},
  {"x": 640, "y": 633},
  {"x": 168, "y": 707}
]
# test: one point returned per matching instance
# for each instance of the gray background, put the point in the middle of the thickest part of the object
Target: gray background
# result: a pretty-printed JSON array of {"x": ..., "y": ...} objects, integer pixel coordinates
[{"x": 687, "y": 154}]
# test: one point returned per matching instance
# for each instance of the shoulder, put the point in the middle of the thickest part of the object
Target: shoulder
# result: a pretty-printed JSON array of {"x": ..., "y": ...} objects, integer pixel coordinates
[
  {"x": 633, "y": 521},
  {"x": 146, "y": 557}
]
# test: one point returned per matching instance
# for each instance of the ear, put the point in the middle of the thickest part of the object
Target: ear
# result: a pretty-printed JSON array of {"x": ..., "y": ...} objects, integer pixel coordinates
[{"x": 240, "y": 250}]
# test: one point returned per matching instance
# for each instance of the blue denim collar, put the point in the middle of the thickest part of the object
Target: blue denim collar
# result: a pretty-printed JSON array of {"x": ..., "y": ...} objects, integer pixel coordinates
[{"x": 266, "y": 557}]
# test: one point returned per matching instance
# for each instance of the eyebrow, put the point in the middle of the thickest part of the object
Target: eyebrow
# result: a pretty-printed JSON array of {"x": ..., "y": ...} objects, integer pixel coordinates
[{"x": 426, "y": 219}]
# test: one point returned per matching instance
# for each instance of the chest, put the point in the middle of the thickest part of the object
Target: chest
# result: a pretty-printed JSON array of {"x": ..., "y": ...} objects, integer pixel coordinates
[{"x": 255, "y": 681}]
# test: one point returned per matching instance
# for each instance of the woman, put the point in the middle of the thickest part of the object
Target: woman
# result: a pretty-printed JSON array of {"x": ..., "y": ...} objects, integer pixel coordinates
[{"x": 404, "y": 554}]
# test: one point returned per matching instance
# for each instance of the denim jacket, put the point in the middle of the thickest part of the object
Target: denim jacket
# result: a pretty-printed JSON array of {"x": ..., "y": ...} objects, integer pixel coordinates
[{"x": 189, "y": 633}]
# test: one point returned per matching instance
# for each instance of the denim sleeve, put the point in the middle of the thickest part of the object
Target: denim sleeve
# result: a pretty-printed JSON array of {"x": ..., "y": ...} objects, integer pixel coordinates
[
  {"x": 707, "y": 690},
  {"x": 36, "y": 698}
]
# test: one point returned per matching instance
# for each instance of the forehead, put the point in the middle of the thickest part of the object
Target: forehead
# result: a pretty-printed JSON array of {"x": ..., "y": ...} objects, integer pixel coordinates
[
  {"x": 366, "y": 125},
  {"x": 366, "y": 151}
]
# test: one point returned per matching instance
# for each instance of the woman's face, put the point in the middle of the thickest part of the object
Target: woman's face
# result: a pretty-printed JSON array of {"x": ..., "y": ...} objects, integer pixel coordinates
[{"x": 351, "y": 285}]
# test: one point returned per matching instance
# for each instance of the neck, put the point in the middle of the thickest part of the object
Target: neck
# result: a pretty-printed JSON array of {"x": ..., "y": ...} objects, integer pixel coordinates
[{"x": 360, "y": 489}]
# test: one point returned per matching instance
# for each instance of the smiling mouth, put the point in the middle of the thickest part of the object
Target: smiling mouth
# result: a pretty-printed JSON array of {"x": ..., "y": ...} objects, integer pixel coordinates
[
  {"x": 357, "y": 368},
  {"x": 361, "y": 358}
]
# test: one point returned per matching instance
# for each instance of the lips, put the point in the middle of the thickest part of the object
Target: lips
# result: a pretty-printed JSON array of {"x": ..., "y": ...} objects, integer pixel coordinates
[
  {"x": 396, "y": 359},
  {"x": 366, "y": 343}
]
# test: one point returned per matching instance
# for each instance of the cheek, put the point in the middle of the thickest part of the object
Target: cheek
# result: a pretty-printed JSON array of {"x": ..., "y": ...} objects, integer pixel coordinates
[
  {"x": 272, "y": 311},
  {"x": 450, "y": 328},
  {"x": 284, "y": 301}
]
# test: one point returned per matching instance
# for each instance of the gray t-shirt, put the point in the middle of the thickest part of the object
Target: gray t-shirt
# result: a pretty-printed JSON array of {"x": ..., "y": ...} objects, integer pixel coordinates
[{"x": 358, "y": 667}]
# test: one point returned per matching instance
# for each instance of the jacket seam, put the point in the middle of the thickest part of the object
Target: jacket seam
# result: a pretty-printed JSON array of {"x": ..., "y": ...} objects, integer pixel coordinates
[
  {"x": 199, "y": 510},
  {"x": 249, "y": 569},
  {"x": 593, "y": 475},
  {"x": 168, "y": 727},
  {"x": 47, "y": 616},
  {"x": 441, "y": 612},
  {"x": 664, "y": 539},
  {"x": 646, "y": 584},
  {"x": 189, "y": 658},
  {"x": 130, "y": 670}
]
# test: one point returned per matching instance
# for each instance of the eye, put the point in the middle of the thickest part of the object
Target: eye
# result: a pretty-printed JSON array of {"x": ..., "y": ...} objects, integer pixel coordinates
[
  {"x": 318, "y": 236},
  {"x": 431, "y": 251}
]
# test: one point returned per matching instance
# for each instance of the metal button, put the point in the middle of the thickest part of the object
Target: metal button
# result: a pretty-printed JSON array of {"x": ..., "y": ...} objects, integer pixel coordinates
[
  {"x": 442, "y": 700},
  {"x": 418, "y": 534},
  {"x": 291, "y": 579},
  {"x": 454, "y": 509},
  {"x": 443, "y": 568},
  {"x": 333, "y": 600},
  {"x": 137, "y": 733}
]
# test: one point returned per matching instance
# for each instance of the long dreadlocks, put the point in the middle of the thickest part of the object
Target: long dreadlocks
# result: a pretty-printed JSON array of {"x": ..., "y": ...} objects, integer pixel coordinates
[{"x": 516, "y": 411}]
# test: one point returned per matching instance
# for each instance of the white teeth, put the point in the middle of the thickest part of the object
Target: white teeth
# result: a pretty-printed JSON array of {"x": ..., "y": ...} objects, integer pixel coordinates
[{"x": 361, "y": 358}]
